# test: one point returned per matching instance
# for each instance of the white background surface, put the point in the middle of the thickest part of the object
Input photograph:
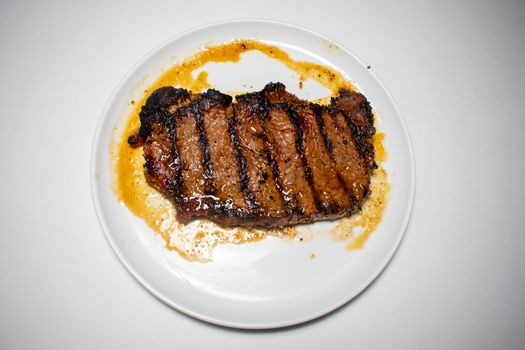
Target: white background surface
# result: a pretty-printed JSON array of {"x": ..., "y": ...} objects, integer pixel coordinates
[{"x": 457, "y": 72}]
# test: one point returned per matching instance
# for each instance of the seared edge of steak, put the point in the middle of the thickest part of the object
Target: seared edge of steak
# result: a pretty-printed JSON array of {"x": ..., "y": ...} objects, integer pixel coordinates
[
  {"x": 162, "y": 100},
  {"x": 360, "y": 119}
]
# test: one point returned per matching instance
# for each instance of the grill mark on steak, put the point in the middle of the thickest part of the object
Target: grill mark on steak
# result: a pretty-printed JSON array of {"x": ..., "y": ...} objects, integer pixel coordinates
[
  {"x": 269, "y": 160},
  {"x": 196, "y": 108},
  {"x": 294, "y": 171},
  {"x": 329, "y": 192},
  {"x": 358, "y": 109},
  {"x": 286, "y": 150},
  {"x": 318, "y": 111},
  {"x": 300, "y": 147},
  {"x": 175, "y": 187},
  {"x": 273, "y": 162},
  {"x": 261, "y": 170},
  {"x": 191, "y": 166},
  {"x": 162, "y": 162},
  {"x": 348, "y": 162},
  {"x": 223, "y": 161},
  {"x": 242, "y": 164},
  {"x": 359, "y": 117}
]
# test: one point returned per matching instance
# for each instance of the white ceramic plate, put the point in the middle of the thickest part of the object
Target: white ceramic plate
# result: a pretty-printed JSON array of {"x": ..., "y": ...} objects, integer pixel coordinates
[{"x": 272, "y": 283}]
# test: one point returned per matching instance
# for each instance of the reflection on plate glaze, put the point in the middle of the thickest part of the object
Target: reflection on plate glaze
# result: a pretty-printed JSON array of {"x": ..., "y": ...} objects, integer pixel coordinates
[{"x": 196, "y": 240}]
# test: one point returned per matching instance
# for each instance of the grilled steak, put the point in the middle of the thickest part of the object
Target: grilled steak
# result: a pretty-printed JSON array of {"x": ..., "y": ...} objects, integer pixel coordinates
[{"x": 268, "y": 160}]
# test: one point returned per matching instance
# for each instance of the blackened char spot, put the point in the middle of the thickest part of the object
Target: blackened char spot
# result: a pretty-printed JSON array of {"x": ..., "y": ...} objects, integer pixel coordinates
[{"x": 151, "y": 113}]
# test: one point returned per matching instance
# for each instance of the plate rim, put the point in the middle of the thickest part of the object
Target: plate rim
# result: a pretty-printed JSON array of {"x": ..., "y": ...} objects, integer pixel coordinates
[{"x": 210, "y": 319}]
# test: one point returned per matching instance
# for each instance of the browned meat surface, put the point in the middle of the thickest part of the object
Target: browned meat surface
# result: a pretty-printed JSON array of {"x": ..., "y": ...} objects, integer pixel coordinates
[
  {"x": 284, "y": 146},
  {"x": 360, "y": 120},
  {"x": 258, "y": 180},
  {"x": 267, "y": 160},
  {"x": 332, "y": 198},
  {"x": 345, "y": 156}
]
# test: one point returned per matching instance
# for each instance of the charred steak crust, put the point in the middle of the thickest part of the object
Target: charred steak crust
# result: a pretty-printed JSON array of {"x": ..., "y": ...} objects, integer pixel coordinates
[
  {"x": 161, "y": 100},
  {"x": 268, "y": 160}
]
